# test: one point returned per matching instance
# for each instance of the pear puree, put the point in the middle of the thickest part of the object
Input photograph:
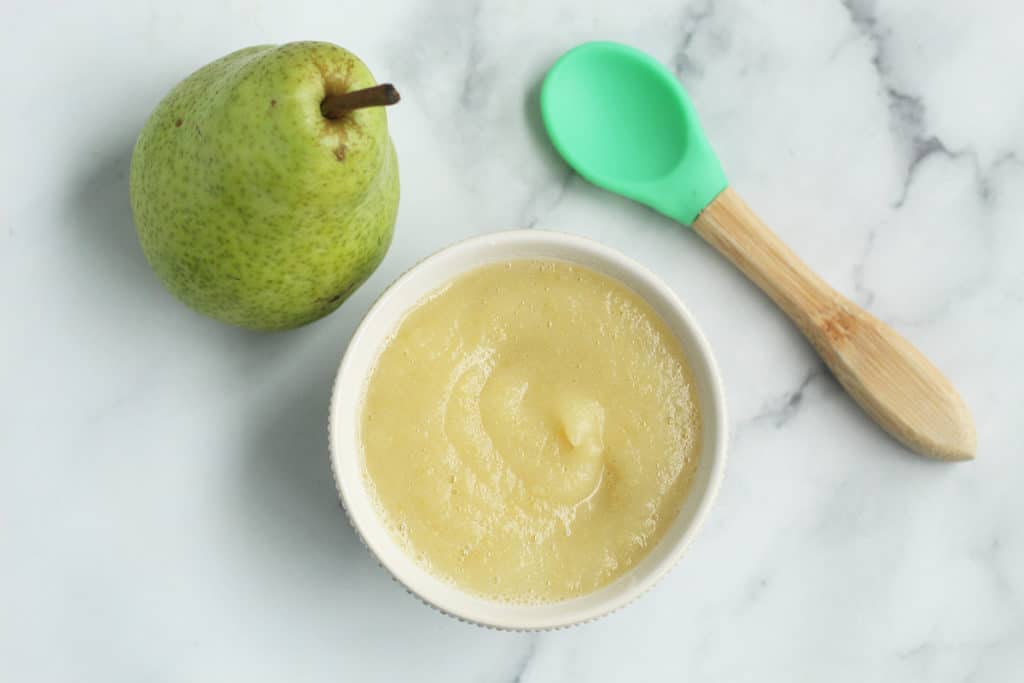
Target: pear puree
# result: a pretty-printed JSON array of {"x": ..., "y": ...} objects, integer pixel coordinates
[{"x": 530, "y": 431}]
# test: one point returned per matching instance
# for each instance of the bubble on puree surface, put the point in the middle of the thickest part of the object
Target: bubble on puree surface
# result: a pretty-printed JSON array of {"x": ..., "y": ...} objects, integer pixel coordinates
[{"x": 530, "y": 431}]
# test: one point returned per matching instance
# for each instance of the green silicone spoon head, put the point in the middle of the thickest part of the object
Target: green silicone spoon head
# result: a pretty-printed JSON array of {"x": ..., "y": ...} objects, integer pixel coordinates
[{"x": 624, "y": 123}]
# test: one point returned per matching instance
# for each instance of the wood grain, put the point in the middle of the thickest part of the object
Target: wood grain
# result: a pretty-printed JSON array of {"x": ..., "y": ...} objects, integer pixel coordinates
[{"x": 890, "y": 379}]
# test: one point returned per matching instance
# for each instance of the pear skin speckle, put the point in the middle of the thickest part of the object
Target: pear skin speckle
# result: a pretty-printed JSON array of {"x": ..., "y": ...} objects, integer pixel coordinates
[{"x": 247, "y": 212}]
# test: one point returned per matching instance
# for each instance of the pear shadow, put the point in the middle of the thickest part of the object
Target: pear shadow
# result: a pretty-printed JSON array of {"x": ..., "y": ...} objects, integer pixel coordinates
[
  {"x": 286, "y": 519},
  {"x": 98, "y": 210},
  {"x": 98, "y": 213}
]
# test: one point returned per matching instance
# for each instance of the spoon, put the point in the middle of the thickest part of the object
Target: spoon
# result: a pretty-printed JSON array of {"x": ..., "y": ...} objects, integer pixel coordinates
[{"x": 624, "y": 123}]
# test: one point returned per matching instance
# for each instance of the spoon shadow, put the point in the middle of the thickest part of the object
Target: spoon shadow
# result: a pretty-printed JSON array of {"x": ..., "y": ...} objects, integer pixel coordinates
[{"x": 538, "y": 133}]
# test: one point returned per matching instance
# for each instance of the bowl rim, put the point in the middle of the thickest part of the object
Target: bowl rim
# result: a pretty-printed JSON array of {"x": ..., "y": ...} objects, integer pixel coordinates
[{"x": 715, "y": 422}]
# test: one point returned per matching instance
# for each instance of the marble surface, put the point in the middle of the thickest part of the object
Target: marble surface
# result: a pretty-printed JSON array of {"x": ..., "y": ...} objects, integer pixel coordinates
[{"x": 166, "y": 508}]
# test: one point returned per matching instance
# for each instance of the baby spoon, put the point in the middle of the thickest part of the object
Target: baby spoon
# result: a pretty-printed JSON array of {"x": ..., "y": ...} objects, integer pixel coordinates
[{"x": 624, "y": 123}]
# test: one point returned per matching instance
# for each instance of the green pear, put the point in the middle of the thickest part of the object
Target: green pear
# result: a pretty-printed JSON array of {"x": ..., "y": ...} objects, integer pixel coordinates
[{"x": 265, "y": 185}]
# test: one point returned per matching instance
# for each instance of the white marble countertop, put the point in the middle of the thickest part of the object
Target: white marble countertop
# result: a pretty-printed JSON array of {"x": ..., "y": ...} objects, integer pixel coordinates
[{"x": 166, "y": 507}]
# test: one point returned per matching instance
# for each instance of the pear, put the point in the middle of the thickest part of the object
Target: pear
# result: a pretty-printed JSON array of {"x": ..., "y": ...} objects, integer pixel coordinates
[{"x": 265, "y": 185}]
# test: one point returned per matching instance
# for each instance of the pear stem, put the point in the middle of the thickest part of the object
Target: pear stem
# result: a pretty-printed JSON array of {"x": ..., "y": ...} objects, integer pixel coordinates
[{"x": 335, "y": 106}]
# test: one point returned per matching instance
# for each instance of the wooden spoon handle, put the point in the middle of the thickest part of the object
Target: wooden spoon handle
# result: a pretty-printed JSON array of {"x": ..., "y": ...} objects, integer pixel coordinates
[{"x": 890, "y": 379}]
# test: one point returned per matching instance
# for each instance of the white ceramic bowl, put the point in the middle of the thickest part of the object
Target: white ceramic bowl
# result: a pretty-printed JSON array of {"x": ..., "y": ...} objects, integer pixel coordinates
[{"x": 383, "y": 319}]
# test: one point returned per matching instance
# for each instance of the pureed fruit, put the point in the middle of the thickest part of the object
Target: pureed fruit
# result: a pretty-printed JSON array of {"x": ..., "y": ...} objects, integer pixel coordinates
[{"x": 530, "y": 431}]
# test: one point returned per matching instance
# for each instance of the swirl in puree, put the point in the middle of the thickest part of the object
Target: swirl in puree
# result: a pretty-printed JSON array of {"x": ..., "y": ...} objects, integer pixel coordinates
[{"x": 530, "y": 430}]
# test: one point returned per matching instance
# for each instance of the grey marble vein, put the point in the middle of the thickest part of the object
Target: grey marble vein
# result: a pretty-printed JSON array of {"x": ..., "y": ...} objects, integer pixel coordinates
[
  {"x": 865, "y": 294},
  {"x": 527, "y": 659},
  {"x": 907, "y": 111},
  {"x": 544, "y": 199},
  {"x": 695, "y": 17},
  {"x": 779, "y": 411},
  {"x": 471, "y": 94},
  {"x": 925, "y": 148}
]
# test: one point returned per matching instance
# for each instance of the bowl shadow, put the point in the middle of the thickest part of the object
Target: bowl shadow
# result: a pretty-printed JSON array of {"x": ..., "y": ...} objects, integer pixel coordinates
[{"x": 288, "y": 487}]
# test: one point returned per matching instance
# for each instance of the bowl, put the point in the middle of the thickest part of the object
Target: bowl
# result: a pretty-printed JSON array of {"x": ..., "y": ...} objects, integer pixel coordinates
[{"x": 381, "y": 322}]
